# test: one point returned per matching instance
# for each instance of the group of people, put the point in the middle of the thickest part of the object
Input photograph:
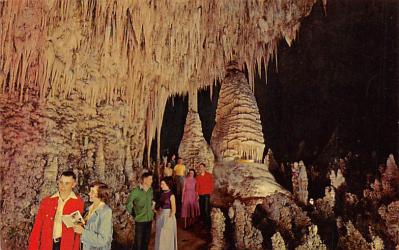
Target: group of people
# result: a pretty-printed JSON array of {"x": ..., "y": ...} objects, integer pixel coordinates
[
  {"x": 179, "y": 191},
  {"x": 188, "y": 192}
]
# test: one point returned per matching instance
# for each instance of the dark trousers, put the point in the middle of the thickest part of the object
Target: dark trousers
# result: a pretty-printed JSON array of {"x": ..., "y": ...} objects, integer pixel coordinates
[
  {"x": 56, "y": 246},
  {"x": 205, "y": 209},
  {"x": 142, "y": 235}
]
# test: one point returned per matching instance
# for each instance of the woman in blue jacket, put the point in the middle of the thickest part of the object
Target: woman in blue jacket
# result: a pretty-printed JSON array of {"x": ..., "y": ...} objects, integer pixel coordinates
[{"x": 97, "y": 231}]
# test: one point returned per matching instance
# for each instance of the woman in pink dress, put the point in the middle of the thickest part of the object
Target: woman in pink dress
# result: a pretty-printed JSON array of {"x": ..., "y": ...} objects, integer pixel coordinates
[{"x": 190, "y": 208}]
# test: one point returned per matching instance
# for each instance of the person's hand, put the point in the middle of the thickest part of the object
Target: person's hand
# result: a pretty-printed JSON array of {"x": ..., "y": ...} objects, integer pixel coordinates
[{"x": 78, "y": 229}]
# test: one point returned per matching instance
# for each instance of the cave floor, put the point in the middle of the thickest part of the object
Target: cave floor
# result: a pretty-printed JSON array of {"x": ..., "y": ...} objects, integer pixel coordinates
[{"x": 195, "y": 237}]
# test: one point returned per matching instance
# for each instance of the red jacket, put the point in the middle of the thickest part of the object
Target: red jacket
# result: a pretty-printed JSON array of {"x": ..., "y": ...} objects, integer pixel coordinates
[
  {"x": 204, "y": 184},
  {"x": 42, "y": 232}
]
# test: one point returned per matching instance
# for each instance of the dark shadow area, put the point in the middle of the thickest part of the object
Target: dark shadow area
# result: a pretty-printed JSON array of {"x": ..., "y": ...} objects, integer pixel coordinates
[{"x": 341, "y": 76}]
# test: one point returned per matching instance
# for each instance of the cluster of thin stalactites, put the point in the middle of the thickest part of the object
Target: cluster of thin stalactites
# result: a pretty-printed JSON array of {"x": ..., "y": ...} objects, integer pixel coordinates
[{"x": 137, "y": 52}]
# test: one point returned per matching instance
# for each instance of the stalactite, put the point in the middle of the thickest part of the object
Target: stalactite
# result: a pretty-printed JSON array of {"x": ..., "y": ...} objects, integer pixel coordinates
[{"x": 112, "y": 52}]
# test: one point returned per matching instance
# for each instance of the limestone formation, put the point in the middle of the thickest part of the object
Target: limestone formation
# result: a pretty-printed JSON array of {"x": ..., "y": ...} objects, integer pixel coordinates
[
  {"x": 289, "y": 219},
  {"x": 43, "y": 139},
  {"x": 390, "y": 215},
  {"x": 50, "y": 178},
  {"x": 302, "y": 184},
  {"x": 295, "y": 177},
  {"x": 312, "y": 240},
  {"x": 245, "y": 180},
  {"x": 337, "y": 179},
  {"x": 325, "y": 206},
  {"x": 193, "y": 148},
  {"x": 86, "y": 83},
  {"x": 390, "y": 177},
  {"x": 278, "y": 242},
  {"x": 246, "y": 235},
  {"x": 137, "y": 52},
  {"x": 218, "y": 228},
  {"x": 238, "y": 130},
  {"x": 270, "y": 162},
  {"x": 351, "y": 238}
]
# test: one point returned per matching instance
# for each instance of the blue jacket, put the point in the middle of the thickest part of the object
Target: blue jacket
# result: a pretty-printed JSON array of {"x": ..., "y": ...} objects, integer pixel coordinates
[{"x": 98, "y": 230}]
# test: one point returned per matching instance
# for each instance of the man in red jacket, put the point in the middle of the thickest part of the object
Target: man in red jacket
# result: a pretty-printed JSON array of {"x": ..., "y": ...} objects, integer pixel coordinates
[
  {"x": 49, "y": 232},
  {"x": 204, "y": 189}
]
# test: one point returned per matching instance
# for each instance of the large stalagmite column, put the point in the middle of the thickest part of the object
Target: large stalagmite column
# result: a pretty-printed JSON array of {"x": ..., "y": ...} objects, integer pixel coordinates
[
  {"x": 238, "y": 129},
  {"x": 193, "y": 148},
  {"x": 237, "y": 141}
]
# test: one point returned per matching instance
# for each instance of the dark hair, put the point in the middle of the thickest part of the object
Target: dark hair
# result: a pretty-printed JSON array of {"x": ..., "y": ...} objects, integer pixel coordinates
[
  {"x": 145, "y": 175},
  {"x": 169, "y": 182},
  {"x": 202, "y": 164},
  {"x": 103, "y": 191},
  {"x": 69, "y": 173},
  {"x": 192, "y": 169}
]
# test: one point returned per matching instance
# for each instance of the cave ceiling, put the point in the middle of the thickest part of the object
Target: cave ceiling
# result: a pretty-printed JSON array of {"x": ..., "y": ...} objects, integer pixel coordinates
[{"x": 137, "y": 52}]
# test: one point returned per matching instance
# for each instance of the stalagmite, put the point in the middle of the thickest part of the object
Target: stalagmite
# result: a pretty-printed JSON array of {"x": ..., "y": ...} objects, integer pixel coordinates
[
  {"x": 238, "y": 144},
  {"x": 352, "y": 237},
  {"x": 295, "y": 177},
  {"x": 238, "y": 130},
  {"x": 302, "y": 184},
  {"x": 270, "y": 162},
  {"x": 326, "y": 205},
  {"x": 312, "y": 241},
  {"x": 193, "y": 148},
  {"x": 390, "y": 215},
  {"x": 218, "y": 228},
  {"x": 390, "y": 177},
  {"x": 278, "y": 242},
  {"x": 337, "y": 179}
]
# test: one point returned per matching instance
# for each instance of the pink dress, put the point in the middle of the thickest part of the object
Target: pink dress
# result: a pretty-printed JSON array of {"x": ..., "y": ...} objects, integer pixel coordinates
[{"x": 190, "y": 207}]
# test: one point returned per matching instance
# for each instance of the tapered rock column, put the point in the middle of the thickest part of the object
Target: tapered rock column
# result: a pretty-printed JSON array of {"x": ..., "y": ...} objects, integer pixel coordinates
[
  {"x": 193, "y": 147},
  {"x": 241, "y": 180},
  {"x": 238, "y": 129}
]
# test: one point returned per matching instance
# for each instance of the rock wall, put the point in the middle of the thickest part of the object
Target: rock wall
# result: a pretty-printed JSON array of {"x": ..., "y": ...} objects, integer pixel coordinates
[{"x": 42, "y": 139}]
